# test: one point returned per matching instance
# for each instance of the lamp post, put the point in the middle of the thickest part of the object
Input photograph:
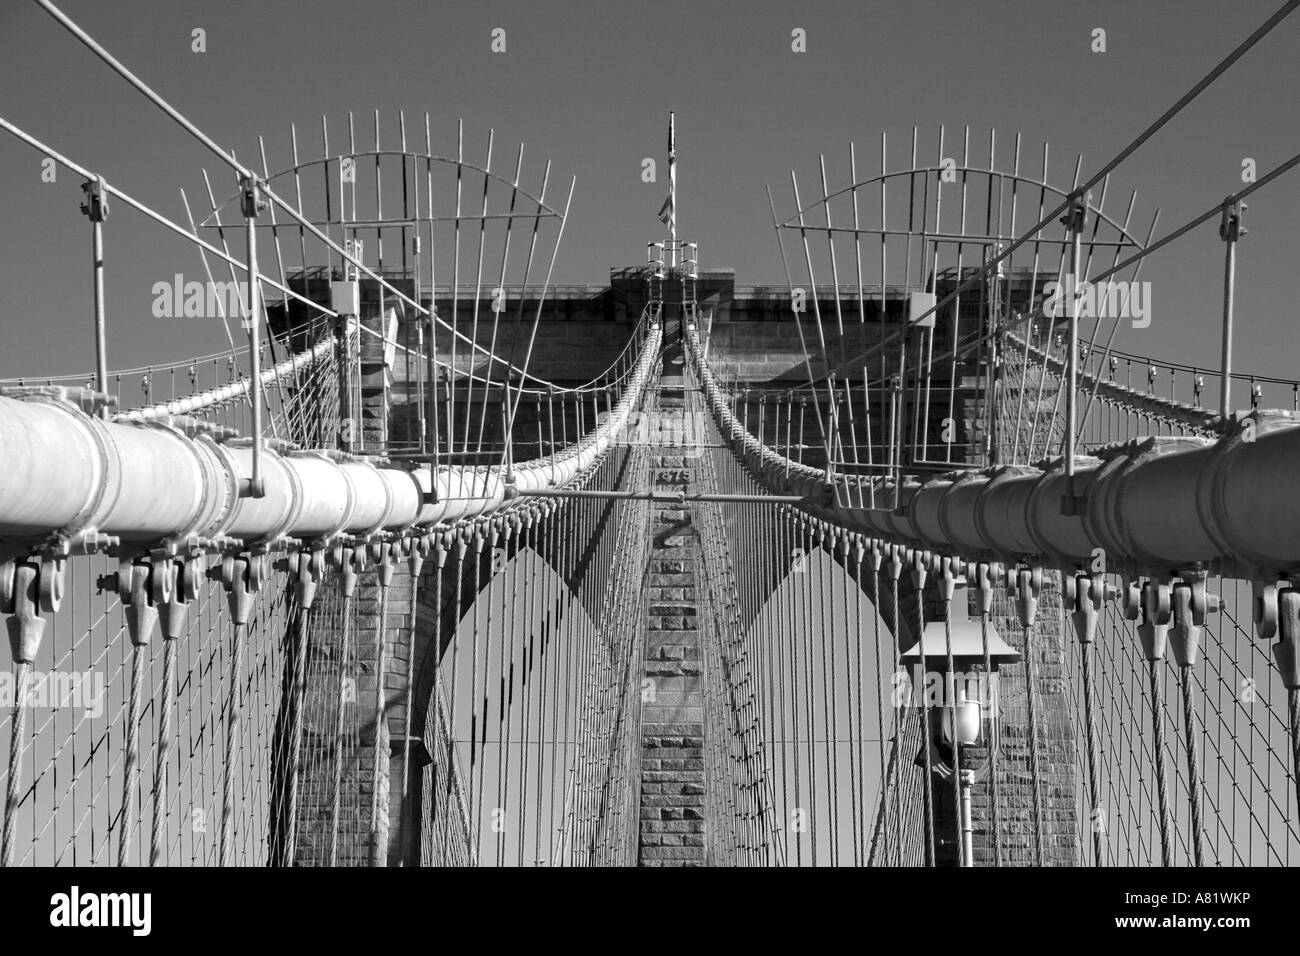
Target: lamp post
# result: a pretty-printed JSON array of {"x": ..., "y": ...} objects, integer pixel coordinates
[
  {"x": 964, "y": 707},
  {"x": 969, "y": 718}
]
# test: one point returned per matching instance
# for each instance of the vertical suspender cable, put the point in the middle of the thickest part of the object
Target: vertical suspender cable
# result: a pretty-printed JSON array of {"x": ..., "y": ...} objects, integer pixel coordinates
[{"x": 174, "y": 621}]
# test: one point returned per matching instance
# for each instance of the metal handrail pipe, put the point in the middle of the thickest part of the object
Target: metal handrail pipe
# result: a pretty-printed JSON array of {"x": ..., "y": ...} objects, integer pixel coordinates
[
  {"x": 71, "y": 475},
  {"x": 225, "y": 393},
  {"x": 1155, "y": 504}
]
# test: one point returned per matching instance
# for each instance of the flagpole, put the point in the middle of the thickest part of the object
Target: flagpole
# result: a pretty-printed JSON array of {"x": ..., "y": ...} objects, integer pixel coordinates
[{"x": 672, "y": 182}]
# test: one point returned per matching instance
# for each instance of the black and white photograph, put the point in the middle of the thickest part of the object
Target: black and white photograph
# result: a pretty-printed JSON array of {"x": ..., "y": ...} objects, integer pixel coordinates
[{"x": 806, "y": 434}]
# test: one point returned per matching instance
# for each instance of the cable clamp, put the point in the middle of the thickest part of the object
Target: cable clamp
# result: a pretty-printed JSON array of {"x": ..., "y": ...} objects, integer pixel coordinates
[{"x": 95, "y": 204}]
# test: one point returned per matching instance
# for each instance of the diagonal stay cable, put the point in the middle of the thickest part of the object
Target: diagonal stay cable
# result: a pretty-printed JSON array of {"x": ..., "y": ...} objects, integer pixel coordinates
[
  {"x": 157, "y": 217},
  {"x": 1079, "y": 191},
  {"x": 1160, "y": 243},
  {"x": 240, "y": 170}
]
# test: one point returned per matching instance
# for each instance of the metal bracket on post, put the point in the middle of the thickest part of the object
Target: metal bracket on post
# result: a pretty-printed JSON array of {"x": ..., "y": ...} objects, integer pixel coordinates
[
  {"x": 430, "y": 497},
  {"x": 1072, "y": 505},
  {"x": 95, "y": 205},
  {"x": 895, "y": 471},
  {"x": 1076, "y": 217}
]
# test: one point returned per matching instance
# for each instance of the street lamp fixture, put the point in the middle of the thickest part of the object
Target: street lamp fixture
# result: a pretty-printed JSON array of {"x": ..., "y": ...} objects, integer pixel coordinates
[{"x": 963, "y": 705}]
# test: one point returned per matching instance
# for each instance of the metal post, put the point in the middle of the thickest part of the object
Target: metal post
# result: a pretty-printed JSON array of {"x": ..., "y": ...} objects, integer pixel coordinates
[
  {"x": 1074, "y": 222},
  {"x": 95, "y": 206},
  {"x": 967, "y": 827},
  {"x": 250, "y": 205},
  {"x": 431, "y": 411},
  {"x": 672, "y": 186},
  {"x": 992, "y": 357},
  {"x": 1229, "y": 231}
]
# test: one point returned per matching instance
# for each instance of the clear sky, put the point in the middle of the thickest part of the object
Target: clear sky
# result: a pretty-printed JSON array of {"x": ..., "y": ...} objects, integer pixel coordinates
[{"x": 589, "y": 84}]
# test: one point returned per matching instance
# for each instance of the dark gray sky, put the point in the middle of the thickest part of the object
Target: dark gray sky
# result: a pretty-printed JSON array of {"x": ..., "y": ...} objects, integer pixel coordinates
[{"x": 589, "y": 84}]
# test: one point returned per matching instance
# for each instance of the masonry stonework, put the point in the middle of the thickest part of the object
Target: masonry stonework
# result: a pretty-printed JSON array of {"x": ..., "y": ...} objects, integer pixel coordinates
[{"x": 673, "y": 798}]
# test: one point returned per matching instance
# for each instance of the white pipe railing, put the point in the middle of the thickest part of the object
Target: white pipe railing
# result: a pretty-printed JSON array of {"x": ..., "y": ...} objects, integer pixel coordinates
[
  {"x": 70, "y": 475},
  {"x": 1156, "y": 503},
  {"x": 215, "y": 396}
]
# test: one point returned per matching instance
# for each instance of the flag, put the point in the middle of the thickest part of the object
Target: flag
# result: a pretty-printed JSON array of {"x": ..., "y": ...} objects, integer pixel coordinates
[
  {"x": 668, "y": 215},
  {"x": 668, "y": 211}
]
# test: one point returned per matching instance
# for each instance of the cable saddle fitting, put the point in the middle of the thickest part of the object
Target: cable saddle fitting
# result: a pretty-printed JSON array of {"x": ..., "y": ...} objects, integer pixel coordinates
[{"x": 95, "y": 205}]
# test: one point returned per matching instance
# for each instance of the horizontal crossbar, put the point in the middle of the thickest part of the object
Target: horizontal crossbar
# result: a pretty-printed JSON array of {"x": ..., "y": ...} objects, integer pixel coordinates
[{"x": 674, "y": 496}]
